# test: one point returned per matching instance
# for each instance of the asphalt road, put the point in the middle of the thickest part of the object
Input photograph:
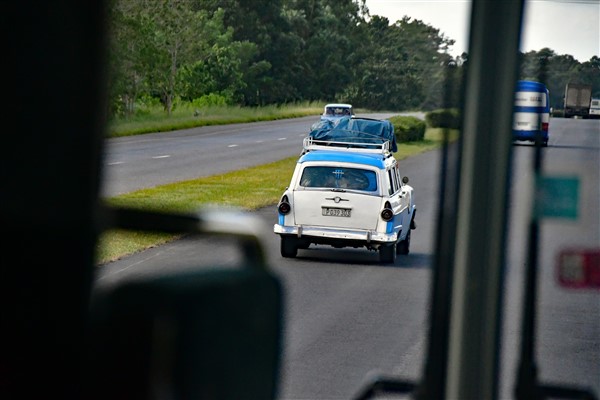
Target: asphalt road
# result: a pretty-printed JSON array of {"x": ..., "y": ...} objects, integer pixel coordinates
[
  {"x": 138, "y": 162},
  {"x": 347, "y": 317}
]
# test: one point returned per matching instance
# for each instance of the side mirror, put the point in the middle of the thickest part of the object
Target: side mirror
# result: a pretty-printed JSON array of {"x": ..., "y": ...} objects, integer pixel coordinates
[{"x": 405, "y": 179}]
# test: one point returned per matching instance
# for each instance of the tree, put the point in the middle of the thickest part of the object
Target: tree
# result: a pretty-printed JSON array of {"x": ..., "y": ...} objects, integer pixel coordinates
[
  {"x": 403, "y": 64},
  {"x": 178, "y": 37},
  {"x": 328, "y": 38},
  {"x": 173, "y": 48},
  {"x": 128, "y": 56},
  {"x": 559, "y": 70},
  {"x": 260, "y": 22},
  {"x": 219, "y": 63}
]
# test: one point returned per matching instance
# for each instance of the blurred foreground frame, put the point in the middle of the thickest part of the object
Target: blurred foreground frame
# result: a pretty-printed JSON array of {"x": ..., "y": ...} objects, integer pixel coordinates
[{"x": 206, "y": 333}]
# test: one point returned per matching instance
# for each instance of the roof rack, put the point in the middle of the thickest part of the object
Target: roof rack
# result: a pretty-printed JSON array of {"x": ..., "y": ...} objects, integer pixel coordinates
[{"x": 360, "y": 145}]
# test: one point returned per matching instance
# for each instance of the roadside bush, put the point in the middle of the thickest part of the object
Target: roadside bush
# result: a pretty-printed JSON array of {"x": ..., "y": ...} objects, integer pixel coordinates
[
  {"x": 209, "y": 100},
  {"x": 443, "y": 118},
  {"x": 408, "y": 129}
]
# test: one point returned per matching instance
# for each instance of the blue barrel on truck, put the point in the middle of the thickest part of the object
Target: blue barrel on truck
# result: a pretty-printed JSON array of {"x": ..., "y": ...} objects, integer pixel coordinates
[{"x": 531, "y": 118}]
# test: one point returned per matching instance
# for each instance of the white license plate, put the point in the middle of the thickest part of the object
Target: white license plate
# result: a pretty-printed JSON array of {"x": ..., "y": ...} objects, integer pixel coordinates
[{"x": 336, "y": 212}]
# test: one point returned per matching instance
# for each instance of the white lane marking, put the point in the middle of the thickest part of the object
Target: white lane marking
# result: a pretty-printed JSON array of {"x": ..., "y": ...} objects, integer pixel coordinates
[
  {"x": 232, "y": 145},
  {"x": 164, "y": 156},
  {"x": 116, "y": 163},
  {"x": 282, "y": 138}
]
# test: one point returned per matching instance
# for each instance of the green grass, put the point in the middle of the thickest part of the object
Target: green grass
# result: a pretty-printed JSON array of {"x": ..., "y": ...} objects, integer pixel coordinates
[
  {"x": 185, "y": 116},
  {"x": 248, "y": 189}
]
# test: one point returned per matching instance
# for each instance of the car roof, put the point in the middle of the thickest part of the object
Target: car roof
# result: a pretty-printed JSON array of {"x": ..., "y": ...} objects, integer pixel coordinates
[
  {"x": 372, "y": 159},
  {"x": 339, "y": 105}
]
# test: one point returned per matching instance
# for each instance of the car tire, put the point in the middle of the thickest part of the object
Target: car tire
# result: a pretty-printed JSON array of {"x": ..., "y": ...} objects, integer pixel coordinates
[
  {"x": 289, "y": 247},
  {"x": 404, "y": 245},
  {"x": 387, "y": 253}
]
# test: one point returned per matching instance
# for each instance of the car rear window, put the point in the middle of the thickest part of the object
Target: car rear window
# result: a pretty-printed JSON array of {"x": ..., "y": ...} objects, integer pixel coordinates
[
  {"x": 338, "y": 111},
  {"x": 339, "y": 177}
]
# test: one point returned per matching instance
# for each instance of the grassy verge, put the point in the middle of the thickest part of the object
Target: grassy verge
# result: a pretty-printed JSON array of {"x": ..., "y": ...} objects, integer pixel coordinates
[
  {"x": 185, "y": 116},
  {"x": 249, "y": 189}
]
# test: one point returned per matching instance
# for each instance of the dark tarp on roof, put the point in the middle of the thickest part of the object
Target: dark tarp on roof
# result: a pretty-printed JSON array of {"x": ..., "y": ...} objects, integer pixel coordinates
[{"x": 356, "y": 130}]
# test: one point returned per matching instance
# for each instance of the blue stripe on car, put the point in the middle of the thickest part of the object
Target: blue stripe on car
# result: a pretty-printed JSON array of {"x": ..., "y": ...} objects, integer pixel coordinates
[
  {"x": 375, "y": 160},
  {"x": 390, "y": 226}
]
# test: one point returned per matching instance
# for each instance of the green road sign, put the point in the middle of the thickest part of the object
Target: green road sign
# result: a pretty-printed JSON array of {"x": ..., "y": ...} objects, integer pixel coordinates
[{"x": 557, "y": 197}]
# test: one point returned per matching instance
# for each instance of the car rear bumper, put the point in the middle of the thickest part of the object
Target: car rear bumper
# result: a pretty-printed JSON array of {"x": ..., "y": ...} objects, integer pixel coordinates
[{"x": 367, "y": 237}]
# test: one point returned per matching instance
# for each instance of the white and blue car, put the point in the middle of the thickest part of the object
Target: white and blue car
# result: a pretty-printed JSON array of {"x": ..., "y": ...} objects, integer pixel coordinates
[
  {"x": 335, "y": 111},
  {"x": 347, "y": 191}
]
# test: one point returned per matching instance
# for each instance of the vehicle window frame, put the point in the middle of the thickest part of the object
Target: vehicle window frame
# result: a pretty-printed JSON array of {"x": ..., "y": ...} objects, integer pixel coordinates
[
  {"x": 392, "y": 182},
  {"x": 364, "y": 171}
]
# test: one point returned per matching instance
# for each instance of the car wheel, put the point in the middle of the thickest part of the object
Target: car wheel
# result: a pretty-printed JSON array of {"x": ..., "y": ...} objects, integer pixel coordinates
[
  {"x": 404, "y": 245},
  {"x": 387, "y": 253},
  {"x": 289, "y": 248}
]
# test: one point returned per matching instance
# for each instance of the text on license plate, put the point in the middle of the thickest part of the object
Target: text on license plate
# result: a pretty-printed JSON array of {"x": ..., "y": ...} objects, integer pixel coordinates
[{"x": 336, "y": 212}]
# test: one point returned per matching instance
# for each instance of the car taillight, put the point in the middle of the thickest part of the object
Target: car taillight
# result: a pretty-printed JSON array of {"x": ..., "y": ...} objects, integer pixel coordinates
[
  {"x": 284, "y": 206},
  {"x": 545, "y": 126},
  {"x": 387, "y": 213}
]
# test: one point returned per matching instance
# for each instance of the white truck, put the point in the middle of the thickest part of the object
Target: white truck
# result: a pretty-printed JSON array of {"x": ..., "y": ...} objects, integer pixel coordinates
[{"x": 578, "y": 97}]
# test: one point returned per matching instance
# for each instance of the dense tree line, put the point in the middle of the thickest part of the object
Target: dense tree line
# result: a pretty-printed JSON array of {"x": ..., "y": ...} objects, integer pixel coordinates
[
  {"x": 264, "y": 52},
  {"x": 557, "y": 70}
]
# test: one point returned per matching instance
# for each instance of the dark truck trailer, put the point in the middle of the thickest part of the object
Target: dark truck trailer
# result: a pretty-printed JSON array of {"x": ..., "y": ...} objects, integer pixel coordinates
[{"x": 577, "y": 100}]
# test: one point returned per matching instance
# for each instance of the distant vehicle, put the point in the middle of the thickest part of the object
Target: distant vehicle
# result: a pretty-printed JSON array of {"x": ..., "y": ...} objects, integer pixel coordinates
[
  {"x": 335, "y": 111},
  {"x": 531, "y": 112},
  {"x": 578, "y": 97},
  {"x": 347, "y": 191},
  {"x": 595, "y": 108}
]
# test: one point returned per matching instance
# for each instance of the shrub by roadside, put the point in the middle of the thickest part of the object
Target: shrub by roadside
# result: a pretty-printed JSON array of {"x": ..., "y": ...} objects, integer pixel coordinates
[
  {"x": 443, "y": 118},
  {"x": 408, "y": 129}
]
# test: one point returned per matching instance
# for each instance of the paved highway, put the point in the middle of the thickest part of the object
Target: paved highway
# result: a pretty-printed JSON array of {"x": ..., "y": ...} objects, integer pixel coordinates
[
  {"x": 137, "y": 162},
  {"x": 347, "y": 316}
]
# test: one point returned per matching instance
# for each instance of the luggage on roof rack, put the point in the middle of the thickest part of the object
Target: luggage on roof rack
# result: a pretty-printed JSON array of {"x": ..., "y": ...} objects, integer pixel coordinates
[{"x": 360, "y": 132}]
